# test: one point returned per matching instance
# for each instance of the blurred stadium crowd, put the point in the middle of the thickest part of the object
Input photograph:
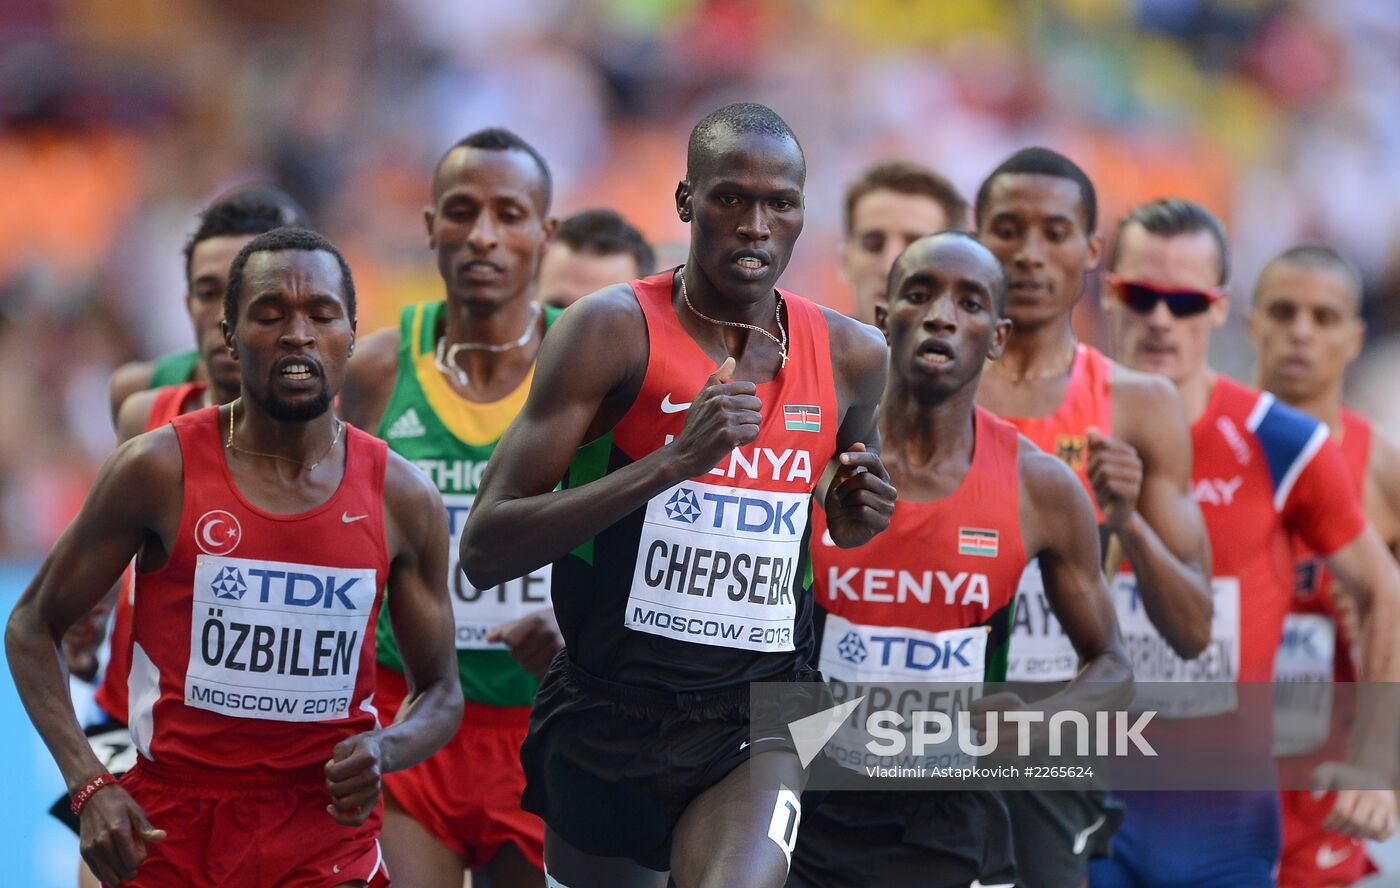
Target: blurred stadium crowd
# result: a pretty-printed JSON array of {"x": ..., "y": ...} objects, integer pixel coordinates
[{"x": 120, "y": 121}]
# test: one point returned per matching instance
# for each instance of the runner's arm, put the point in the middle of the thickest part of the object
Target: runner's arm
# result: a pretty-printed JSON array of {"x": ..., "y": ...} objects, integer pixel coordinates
[
  {"x": 128, "y": 503},
  {"x": 369, "y": 380},
  {"x": 1165, "y": 539},
  {"x": 1059, "y": 529},
  {"x": 858, "y": 504},
  {"x": 421, "y": 614},
  {"x": 1383, "y": 500},
  {"x": 594, "y": 356}
]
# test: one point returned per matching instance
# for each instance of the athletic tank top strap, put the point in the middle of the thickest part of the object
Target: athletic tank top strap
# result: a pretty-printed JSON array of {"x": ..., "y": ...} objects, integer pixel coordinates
[
  {"x": 174, "y": 368},
  {"x": 173, "y": 400},
  {"x": 1357, "y": 435}
]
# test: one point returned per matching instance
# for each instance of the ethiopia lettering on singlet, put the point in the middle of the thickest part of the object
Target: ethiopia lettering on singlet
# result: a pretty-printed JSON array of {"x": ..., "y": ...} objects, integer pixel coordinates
[
  {"x": 475, "y": 612},
  {"x": 276, "y": 640},
  {"x": 716, "y": 565}
]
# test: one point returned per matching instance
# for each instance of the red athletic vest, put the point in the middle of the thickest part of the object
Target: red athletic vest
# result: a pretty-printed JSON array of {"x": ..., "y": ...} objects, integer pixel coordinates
[
  {"x": 1312, "y": 591},
  {"x": 170, "y": 402},
  {"x": 253, "y": 645},
  {"x": 929, "y": 599},
  {"x": 1088, "y": 402},
  {"x": 704, "y": 586}
]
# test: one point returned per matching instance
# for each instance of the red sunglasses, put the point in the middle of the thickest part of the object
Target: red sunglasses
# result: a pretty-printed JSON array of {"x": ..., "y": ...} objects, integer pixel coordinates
[{"x": 1142, "y": 297}]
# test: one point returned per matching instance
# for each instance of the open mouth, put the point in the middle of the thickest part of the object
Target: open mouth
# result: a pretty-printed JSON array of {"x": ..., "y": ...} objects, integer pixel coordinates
[
  {"x": 935, "y": 353},
  {"x": 751, "y": 264},
  {"x": 296, "y": 369},
  {"x": 481, "y": 271}
]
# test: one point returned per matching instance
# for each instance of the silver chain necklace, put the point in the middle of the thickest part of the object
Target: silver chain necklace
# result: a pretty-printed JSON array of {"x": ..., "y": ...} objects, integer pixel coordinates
[
  {"x": 782, "y": 344},
  {"x": 446, "y": 358}
]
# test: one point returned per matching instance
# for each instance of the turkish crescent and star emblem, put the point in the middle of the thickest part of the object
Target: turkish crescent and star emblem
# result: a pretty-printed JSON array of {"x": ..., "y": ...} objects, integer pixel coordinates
[{"x": 217, "y": 532}]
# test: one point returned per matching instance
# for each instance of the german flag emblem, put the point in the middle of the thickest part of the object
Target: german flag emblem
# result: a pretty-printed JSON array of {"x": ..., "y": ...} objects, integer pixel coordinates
[
  {"x": 976, "y": 541},
  {"x": 802, "y": 417}
]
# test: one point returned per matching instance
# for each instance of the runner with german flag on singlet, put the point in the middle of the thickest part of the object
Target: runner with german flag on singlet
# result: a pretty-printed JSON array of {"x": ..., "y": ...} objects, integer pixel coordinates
[{"x": 1122, "y": 432}]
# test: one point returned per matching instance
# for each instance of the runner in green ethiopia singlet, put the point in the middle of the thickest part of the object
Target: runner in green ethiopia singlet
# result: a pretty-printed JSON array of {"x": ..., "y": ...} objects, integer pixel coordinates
[
  {"x": 174, "y": 368},
  {"x": 451, "y": 439}
]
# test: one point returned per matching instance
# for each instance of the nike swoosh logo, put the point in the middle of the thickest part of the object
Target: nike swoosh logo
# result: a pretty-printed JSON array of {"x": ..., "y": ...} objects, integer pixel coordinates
[
  {"x": 1328, "y": 857},
  {"x": 669, "y": 406},
  {"x": 1083, "y": 838},
  {"x": 347, "y": 518},
  {"x": 747, "y": 743}
]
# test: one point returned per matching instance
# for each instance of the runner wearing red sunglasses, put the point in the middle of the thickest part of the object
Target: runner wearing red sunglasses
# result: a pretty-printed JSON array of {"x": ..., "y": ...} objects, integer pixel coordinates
[{"x": 1263, "y": 474}]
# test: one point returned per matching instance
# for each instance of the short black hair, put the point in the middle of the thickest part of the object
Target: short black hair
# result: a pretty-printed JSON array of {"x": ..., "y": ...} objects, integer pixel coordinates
[
  {"x": 605, "y": 233},
  {"x": 1320, "y": 256},
  {"x": 739, "y": 118},
  {"x": 907, "y": 177},
  {"x": 1171, "y": 217},
  {"x": 1038, "y": 161},
  {"x": 1003, "y": 283},
  {"x": 248, "y": 209},
  {"x": 498, "y": 138},
  {"x": 275, "y": 241}
]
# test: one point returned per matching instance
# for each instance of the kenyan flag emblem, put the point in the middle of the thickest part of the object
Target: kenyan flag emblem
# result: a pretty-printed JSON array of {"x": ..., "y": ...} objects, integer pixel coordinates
[
  {"x": 976, "y": 541},
  {"x": 802, "y": 418}
]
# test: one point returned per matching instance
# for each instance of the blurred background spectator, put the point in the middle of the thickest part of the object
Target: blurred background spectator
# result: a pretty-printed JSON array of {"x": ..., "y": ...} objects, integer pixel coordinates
[{"x": 121, "y": 120}]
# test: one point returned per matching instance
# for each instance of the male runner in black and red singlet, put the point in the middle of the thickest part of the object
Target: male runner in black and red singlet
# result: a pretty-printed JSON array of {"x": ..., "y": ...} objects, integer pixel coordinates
[
  {"x": 975, "y": 501},
  {"x": 264, "y": 532},
  {"x": 1264, "y": 474},
  {"x": 690, "y": 416},
  {"x": 1305, "y": 322},
  {"x": 1124, "y": 435},
  {"x": 237, "y": 215}
]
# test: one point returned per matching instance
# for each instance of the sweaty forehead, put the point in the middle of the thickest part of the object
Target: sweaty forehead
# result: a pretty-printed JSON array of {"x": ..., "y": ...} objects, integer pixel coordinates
[
  {"x": 1034, "y": 196},
  {"x": 489, "y": 174},
  {"x": 753, "y": 158},
  {"x": 292, "y": 272}
]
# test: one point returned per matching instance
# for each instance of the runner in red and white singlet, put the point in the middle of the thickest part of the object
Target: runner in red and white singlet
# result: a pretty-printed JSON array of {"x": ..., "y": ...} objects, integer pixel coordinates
[
  {"x": 1305, "y": 323},
  {"x": 1263, "y": 474},
  {"x": 975, "y": 499},
  {"x": 264, "y": 533},
  {"x": 1124, "y": 435}
]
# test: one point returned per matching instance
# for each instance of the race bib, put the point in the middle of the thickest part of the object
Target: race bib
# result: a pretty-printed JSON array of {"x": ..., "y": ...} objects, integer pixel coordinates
[
  {"x": 1154, "y": 661},
  {"x": 1040, "y": 650},
  {"x": 274, "y": 640},
  {"x": 475, "y": 612},
  {"x": 716, "y": 565},
  {"x": 1303, "y": 693},
  {"x": 945, "y": 668}
]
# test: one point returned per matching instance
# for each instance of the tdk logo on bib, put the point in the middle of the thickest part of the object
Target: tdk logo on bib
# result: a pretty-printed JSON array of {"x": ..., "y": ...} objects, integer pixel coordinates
[
  {"x": 682, "y": 506},
  {"x": 229, "y": 584},
  {"x": 852, "y": 649}
]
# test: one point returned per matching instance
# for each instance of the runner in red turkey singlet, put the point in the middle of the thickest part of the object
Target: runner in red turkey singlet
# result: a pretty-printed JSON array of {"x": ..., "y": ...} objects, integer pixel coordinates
[{"x": 264, "y": 533}]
